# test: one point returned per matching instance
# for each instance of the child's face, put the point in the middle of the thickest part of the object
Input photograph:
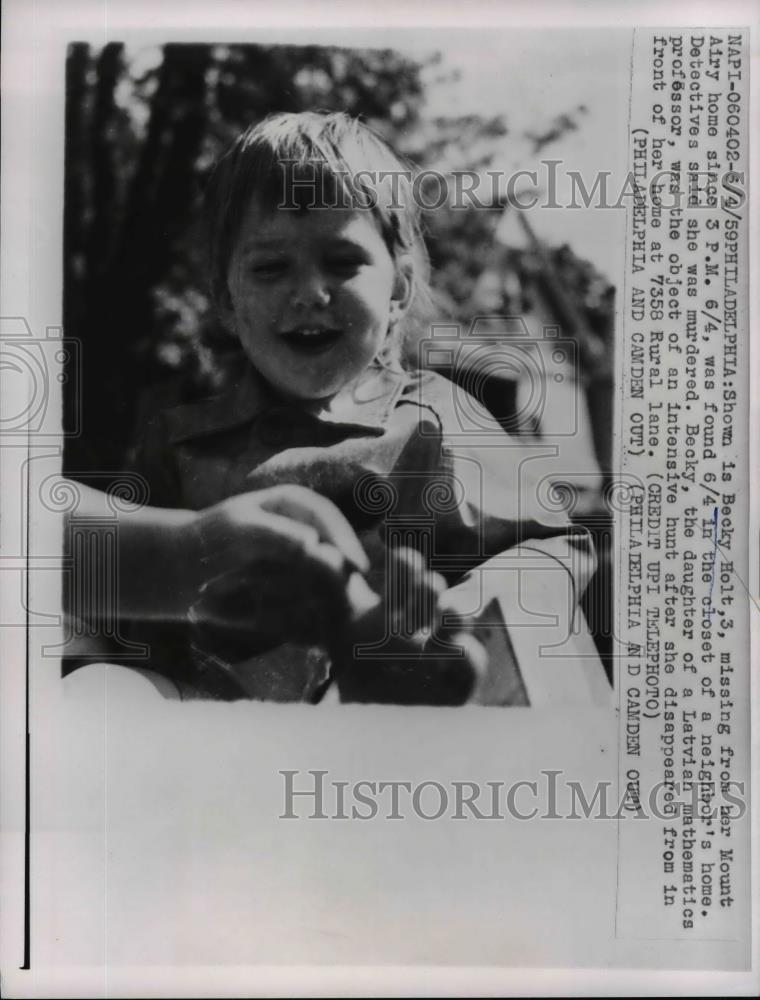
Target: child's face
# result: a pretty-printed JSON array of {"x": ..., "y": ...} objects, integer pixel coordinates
[{"x": 312, "y": 296}]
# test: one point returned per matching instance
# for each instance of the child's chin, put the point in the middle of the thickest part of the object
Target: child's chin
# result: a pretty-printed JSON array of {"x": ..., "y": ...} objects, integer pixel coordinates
[{"x": 312, "y": 391}]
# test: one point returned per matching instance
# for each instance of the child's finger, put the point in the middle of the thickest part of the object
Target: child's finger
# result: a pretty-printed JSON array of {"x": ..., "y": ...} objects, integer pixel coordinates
[
  {"x": 457, "y": 609},
  {"x": 414, "y": 591}
]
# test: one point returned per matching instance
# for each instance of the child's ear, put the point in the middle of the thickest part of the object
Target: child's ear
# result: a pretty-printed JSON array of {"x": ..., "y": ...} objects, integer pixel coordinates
[{"x": 403, "y": 288}]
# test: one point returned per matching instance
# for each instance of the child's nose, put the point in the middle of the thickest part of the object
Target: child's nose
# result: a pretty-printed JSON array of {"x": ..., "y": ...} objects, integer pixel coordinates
[{"x": 312, "y": 289}]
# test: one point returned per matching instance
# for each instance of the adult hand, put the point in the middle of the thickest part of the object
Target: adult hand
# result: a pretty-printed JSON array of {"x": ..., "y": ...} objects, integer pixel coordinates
[{"x": 279, "y": 564}]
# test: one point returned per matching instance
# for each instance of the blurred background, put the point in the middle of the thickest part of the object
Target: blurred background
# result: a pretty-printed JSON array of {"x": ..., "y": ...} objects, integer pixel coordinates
[{"x": 144, "y": 126}]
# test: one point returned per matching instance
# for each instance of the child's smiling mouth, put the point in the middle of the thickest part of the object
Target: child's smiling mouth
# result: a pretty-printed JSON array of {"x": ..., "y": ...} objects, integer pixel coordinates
[{"x": 311, "y": 339}]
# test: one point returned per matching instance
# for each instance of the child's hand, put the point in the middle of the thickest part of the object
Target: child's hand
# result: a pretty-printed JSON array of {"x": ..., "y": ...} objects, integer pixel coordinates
[{"x": 400, "y": 650}]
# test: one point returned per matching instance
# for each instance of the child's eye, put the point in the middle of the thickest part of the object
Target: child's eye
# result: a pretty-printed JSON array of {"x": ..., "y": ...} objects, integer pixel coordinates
[
  {"x": 345, "y": 264},
  {"x": 269, "y": 268}
]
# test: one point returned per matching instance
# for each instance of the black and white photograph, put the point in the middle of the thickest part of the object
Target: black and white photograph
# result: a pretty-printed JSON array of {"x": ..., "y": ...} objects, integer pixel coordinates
[
  {"x": 370, "y": 470},
  {"x": 377, "y": 450}
]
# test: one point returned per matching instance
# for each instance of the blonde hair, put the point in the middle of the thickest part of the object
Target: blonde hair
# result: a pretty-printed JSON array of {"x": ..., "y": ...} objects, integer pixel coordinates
[{"x": 316, "y": 160}]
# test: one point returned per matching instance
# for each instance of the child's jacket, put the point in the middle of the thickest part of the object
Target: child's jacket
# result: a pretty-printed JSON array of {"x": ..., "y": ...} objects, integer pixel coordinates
[{"x": 409, "y": 458}]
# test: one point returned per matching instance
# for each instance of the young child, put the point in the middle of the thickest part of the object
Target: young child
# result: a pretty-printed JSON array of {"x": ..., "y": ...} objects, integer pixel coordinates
[{"x": 318, "y": 267}]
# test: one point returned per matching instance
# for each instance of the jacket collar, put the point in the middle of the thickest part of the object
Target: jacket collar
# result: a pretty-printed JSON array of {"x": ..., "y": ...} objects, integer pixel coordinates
[{"x": 368, "y": 403}]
